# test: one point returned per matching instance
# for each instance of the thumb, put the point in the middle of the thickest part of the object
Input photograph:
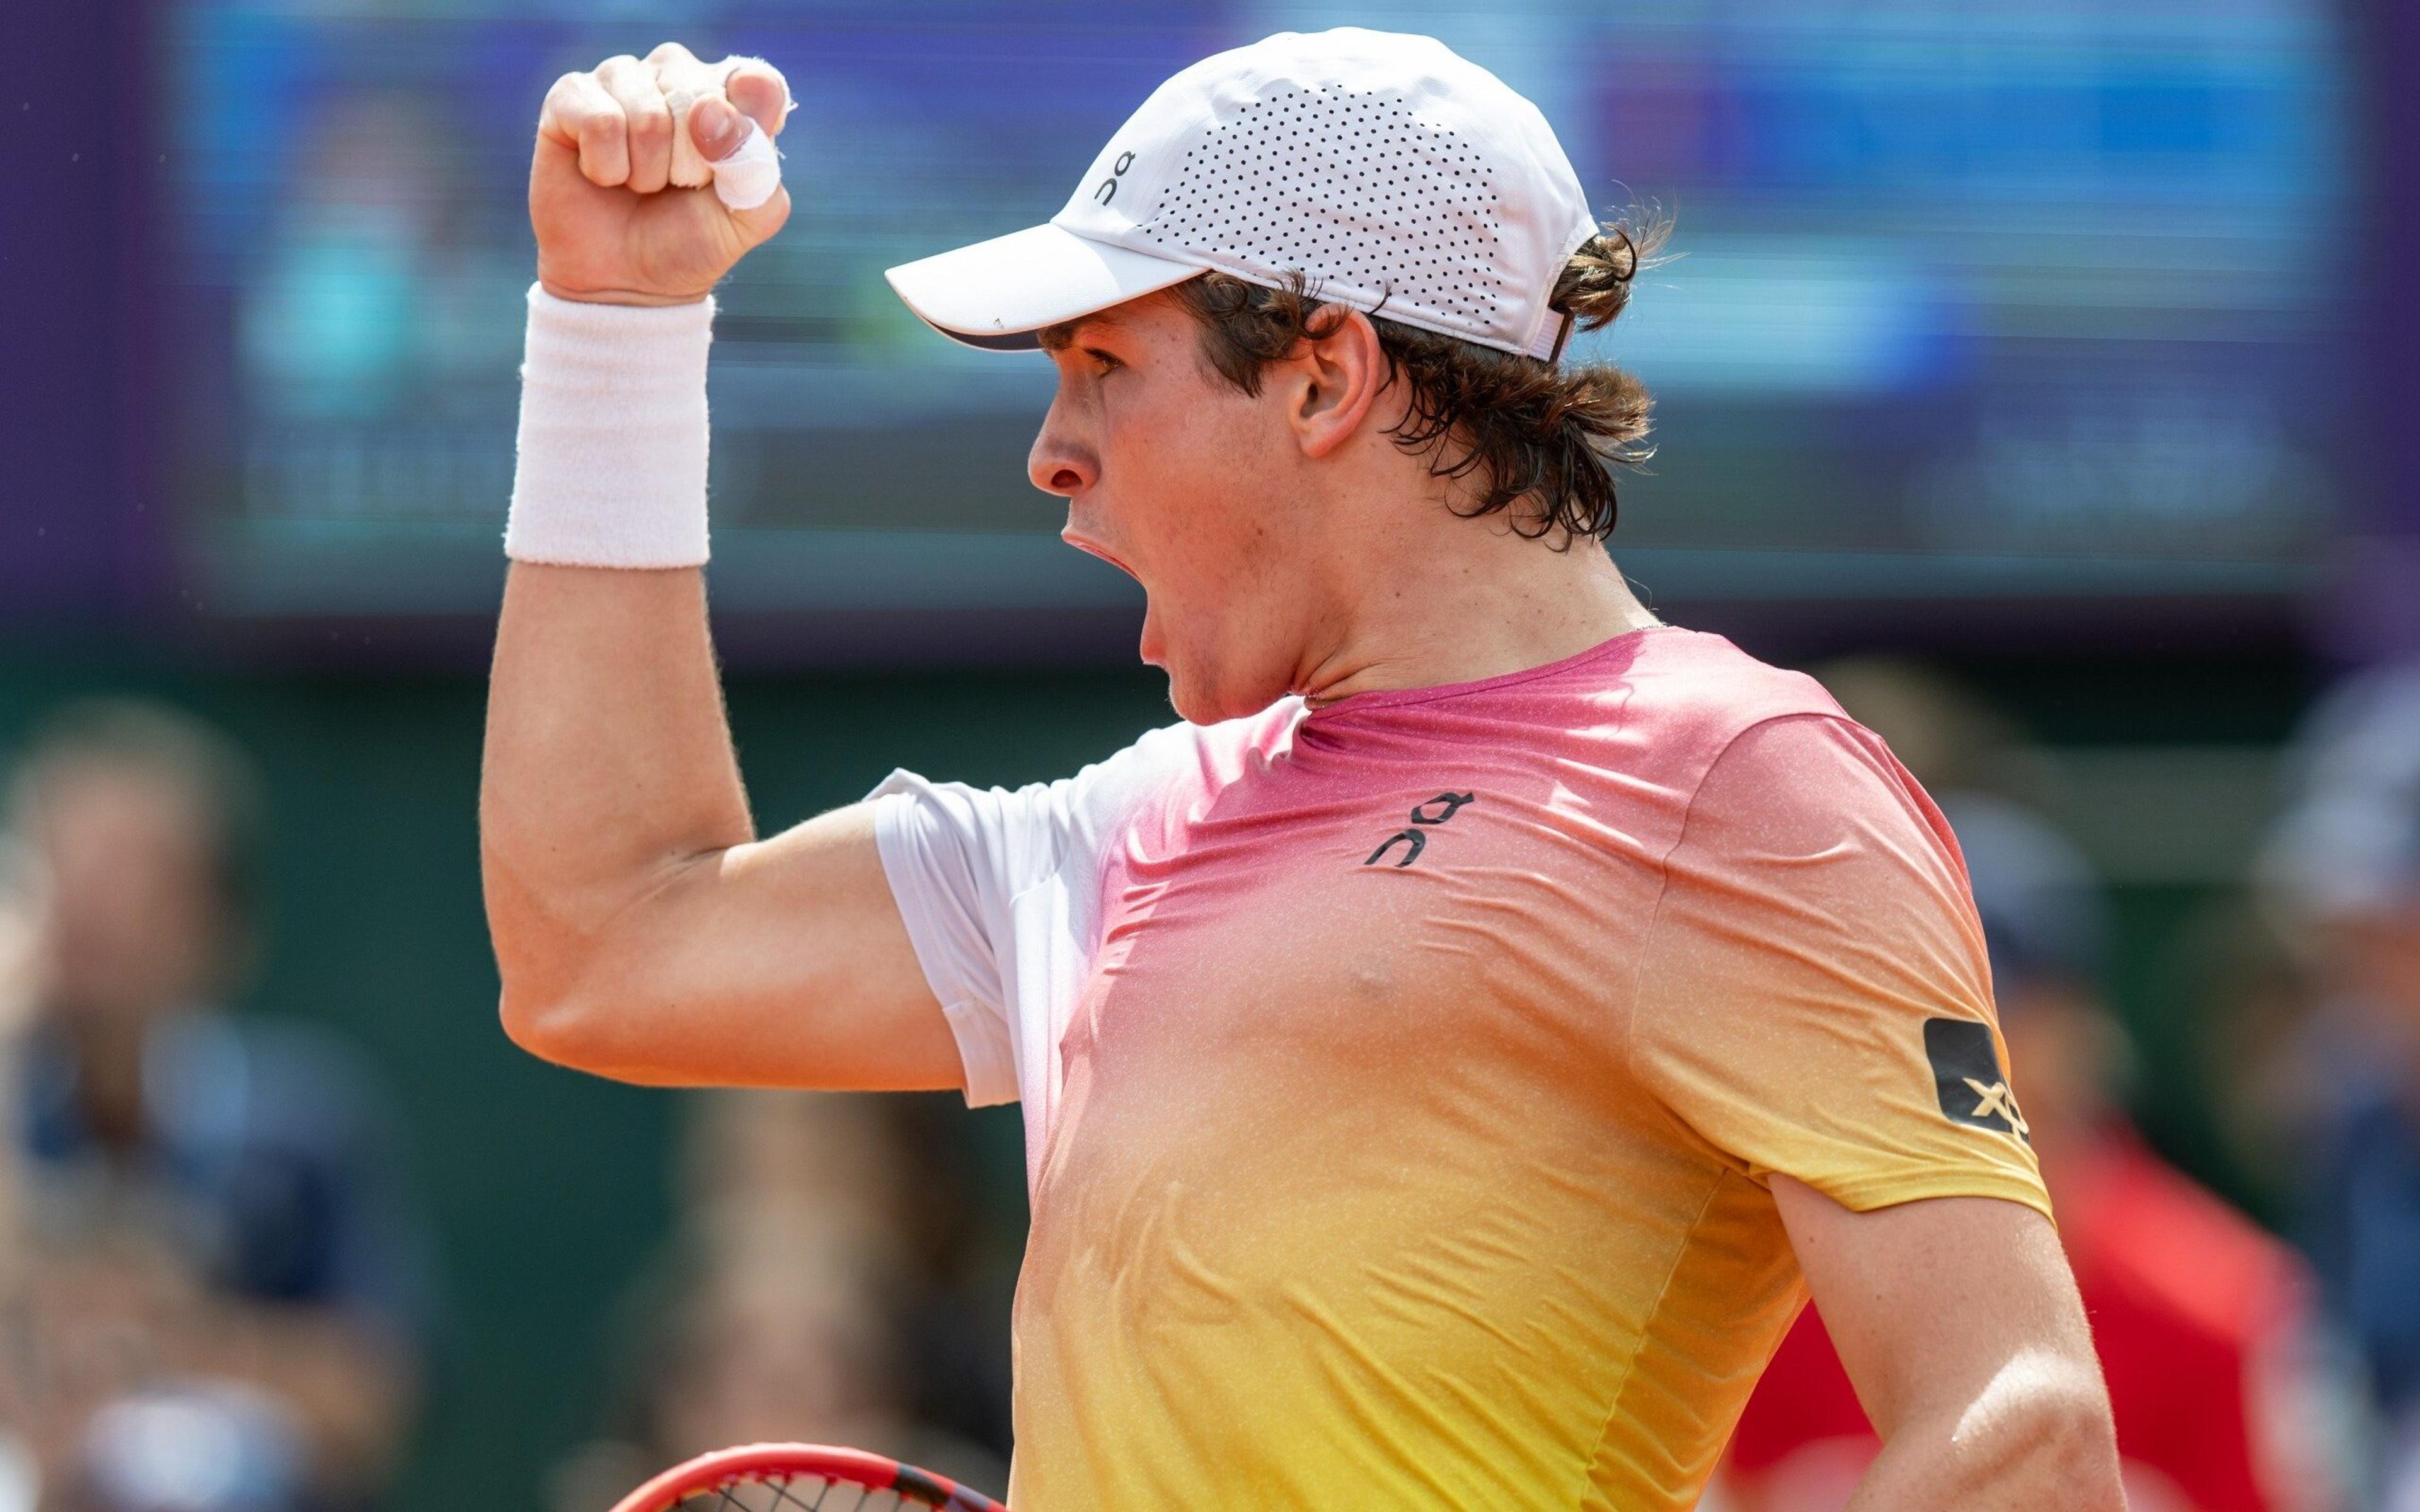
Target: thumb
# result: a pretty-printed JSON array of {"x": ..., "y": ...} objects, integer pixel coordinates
[
  {"x": 716, "y": 128},
  {"x": 747, "y": 167}
]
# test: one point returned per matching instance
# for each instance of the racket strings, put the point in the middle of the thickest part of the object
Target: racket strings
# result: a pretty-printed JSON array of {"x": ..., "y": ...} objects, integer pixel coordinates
[{"x": 792, "y": 1494}]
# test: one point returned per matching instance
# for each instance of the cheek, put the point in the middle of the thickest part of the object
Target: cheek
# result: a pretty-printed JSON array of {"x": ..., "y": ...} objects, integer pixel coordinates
[{"x": 1186, "y": 465}]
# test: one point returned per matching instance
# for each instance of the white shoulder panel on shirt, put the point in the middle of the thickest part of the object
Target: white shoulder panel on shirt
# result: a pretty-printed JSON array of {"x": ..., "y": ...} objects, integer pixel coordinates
[{"x": 999, "y": 890}]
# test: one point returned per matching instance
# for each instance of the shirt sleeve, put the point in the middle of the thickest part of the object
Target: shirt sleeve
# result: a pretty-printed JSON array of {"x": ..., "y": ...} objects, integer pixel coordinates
[
  {"x": 1814, "y": 995},
  {"x": 958, "y": 857},
  {"x": 955, "y": 856}
]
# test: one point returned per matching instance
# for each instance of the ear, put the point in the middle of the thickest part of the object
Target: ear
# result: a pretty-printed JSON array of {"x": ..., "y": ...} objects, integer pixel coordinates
[{"x": 1333, "y": 380}]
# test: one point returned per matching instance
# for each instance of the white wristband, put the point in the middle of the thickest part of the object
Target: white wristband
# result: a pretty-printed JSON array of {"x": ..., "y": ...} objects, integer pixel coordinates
[{"x": 613, "y": 434}]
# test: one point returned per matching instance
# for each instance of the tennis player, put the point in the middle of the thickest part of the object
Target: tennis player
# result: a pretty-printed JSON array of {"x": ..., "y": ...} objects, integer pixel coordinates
[{"x": 1452, "y": 1056}]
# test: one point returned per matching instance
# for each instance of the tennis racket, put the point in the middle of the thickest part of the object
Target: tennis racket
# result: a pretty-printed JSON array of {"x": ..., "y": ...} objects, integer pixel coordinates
[{"x": 799, "y": 1477}]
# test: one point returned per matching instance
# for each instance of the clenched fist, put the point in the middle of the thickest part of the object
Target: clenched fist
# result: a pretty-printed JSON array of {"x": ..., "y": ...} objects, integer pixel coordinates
[{"x": 615, "y": 224}]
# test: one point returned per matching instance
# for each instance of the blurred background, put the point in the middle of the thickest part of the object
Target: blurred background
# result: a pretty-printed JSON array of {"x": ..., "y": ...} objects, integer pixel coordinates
[{"x": 2037, "y": 374}]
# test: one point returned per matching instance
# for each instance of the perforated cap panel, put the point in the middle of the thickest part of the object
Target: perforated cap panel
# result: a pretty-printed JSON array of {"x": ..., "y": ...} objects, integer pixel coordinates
[
  {"x": 1328, "y": 182},
  {"x": 1385, "y": 171}
]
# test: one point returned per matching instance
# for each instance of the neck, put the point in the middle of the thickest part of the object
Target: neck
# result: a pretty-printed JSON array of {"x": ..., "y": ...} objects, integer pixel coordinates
[{"x": 1481, "y": 604}]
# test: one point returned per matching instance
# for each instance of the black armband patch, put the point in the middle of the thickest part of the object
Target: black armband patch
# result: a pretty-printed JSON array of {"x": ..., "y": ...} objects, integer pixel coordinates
[{"x": 1967, "y": 1072}]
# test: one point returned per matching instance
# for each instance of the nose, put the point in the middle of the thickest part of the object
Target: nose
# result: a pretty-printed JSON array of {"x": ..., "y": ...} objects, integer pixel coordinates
[{"x": 1057, "y": 464}]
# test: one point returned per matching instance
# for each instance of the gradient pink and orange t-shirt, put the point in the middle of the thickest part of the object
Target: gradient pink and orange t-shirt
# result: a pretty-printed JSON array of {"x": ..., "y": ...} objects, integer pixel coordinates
[{"x": 1401, "y": 1078}]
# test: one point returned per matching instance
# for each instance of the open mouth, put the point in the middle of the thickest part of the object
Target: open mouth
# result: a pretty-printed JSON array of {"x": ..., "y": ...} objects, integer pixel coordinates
[{"x": 1092, "y": 550}]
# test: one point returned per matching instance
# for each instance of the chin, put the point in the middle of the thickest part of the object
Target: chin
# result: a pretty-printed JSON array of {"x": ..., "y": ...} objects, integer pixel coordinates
[
  {"x": 1184, "y": 696},
  {"x": 1200, "y": 699}
]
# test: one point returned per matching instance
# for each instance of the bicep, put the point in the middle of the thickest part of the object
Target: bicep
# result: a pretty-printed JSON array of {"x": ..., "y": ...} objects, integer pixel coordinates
[
  {"x": 780, "y": 963},
  {"x": 1961, "y": 1305}
]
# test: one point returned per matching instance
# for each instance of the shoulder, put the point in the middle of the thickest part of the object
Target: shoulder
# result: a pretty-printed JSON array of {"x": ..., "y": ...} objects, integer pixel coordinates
[
  {"x": 1778, "y": 787},
  {"x": 1041, "y": 828},
  {"x": 1178, "y": 764},
  {"x": 1702, "y": 684},
  {"x": 1756, "y": 736},
  {"x": 1703, "y": 700},
  {"x": 1213, "y": 754}
]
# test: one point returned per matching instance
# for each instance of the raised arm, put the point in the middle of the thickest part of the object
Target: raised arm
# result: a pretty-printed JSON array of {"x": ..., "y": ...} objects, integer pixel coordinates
[
  {"x": 640, "y": 928},
  {"x": 1960, "y": 1329}
]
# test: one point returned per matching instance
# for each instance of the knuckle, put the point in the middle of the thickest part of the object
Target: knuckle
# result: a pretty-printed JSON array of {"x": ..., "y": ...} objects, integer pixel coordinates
[
  {"x": 651, "y": 122},
  {"x": 671, "y": 52}
]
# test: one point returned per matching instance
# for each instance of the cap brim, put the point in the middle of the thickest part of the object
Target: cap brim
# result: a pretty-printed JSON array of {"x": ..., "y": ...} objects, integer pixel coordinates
[{"x": 998, "y": 294}]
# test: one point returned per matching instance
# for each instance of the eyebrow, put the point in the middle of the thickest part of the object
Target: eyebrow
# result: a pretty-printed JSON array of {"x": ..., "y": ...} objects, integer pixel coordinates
[{"x": 1063, "y": 336}]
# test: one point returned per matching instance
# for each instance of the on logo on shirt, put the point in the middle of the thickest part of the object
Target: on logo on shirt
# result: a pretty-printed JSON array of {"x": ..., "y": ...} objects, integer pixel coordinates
[{"x": 1436, "y": 811}]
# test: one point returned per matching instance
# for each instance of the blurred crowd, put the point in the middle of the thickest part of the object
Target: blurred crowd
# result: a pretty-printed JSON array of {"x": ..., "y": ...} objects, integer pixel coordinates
[
  {"x": 217, "y": 1292},
  {"x": 826, "y": 1283},
  {"x": 217, "y": 1289}
]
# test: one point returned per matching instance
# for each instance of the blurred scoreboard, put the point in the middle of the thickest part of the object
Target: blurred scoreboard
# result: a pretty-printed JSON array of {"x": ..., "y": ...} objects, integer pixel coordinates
[{"x": 1974, "y": 297}]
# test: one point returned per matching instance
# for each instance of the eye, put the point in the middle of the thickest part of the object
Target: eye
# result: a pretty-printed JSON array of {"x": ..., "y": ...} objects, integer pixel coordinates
[{"x": 1104, "y": 364}]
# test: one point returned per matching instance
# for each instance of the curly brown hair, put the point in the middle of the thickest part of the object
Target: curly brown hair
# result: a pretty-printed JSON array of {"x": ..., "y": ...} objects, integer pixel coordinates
[{"x": 1546, "y": 436}]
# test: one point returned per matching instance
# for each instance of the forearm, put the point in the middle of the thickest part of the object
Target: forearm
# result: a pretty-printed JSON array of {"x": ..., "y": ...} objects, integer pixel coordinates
[
  {"x": 608, "y": 759},
  {"x": 608, "y": 766}
]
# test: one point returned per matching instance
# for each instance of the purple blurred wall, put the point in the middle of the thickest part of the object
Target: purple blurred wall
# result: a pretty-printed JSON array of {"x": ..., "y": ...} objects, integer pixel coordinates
[
  {"x": 80, "y": 536},
  {"x": 2386, "y": 602}
]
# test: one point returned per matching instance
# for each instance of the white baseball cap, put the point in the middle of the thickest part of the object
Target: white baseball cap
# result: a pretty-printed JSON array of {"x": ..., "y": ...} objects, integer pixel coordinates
[{"x": 1393, "y": 175}]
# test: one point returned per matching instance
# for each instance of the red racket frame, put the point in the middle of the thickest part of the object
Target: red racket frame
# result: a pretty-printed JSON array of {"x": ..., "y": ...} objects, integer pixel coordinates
[{"x": 724, "y": 1467}]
